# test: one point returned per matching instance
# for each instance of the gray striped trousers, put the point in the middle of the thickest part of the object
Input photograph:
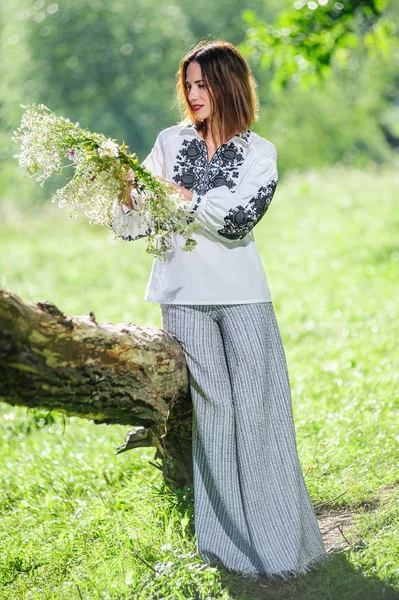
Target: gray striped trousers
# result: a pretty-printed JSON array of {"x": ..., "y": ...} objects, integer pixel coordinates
[{"x": 252, "y": 510}]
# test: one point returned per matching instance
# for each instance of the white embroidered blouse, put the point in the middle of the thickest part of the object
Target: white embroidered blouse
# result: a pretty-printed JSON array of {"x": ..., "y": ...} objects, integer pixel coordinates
[{"x": 231, "y": 193}]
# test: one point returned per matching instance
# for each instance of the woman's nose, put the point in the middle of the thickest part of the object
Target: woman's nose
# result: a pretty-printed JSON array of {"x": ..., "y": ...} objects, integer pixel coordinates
[{"x": 192, "y": 95}]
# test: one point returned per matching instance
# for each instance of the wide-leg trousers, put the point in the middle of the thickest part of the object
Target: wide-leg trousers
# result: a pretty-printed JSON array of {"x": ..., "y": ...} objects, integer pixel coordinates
[{"x": 252, "y": 510}]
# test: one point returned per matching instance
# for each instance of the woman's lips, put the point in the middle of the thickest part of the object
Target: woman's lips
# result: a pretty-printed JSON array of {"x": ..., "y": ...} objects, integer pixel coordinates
[{"x": 198, "y": 107}]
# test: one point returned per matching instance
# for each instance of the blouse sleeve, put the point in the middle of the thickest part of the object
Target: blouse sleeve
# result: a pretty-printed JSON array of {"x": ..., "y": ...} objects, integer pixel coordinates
[
  {"x": 229, "y": 215},
  {"x": 155, "y": 160},
  {"x": 127, "y": 223}
]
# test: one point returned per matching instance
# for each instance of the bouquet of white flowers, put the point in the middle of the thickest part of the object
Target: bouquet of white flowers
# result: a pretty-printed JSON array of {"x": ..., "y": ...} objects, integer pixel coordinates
[{"x": 101, "y": 168}]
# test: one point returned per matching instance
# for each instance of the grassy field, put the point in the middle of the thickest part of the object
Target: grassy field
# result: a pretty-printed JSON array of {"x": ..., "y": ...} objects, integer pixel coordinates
[{"x": 77, "y": 521}]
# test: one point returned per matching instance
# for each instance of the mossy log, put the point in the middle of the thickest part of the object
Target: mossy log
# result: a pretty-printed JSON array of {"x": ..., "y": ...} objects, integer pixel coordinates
[{"x": 110, "y": 373}]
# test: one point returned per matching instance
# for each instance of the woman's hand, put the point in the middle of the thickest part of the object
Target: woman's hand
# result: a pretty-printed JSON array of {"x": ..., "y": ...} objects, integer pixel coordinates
[
  {"x": 188, "y": 195},
  {"x": 125, "y": 191}
]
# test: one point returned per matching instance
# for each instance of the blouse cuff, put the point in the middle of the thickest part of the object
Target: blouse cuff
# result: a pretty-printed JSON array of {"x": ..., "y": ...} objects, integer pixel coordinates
[
  {"x": 197, "y": 204},
  {"x": 125, "y": 208}
]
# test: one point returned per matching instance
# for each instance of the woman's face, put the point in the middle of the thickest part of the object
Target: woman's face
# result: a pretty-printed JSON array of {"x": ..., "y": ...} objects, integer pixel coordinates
[{"x": 197, "y": 93}]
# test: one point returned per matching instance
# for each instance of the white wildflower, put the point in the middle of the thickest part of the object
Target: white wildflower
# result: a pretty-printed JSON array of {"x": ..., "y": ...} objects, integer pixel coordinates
[
  {"x": 108, "y": 148},
  {"x": 99, "y": 168}
]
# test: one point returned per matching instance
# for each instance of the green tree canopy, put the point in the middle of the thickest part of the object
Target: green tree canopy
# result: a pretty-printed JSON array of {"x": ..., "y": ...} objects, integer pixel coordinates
[{"x": 307, "y": 36}]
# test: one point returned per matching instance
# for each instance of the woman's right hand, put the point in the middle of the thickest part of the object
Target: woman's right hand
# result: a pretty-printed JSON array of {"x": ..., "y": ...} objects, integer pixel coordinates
[{"x": 125, "y": 192}]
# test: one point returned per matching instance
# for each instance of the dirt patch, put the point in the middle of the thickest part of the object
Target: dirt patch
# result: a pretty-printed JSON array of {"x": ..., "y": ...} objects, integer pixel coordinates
[{"x": 335, "y": 525}]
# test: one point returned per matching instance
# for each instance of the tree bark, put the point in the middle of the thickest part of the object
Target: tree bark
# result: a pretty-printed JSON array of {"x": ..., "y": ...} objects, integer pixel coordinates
[{"x": 120, "y": 373}]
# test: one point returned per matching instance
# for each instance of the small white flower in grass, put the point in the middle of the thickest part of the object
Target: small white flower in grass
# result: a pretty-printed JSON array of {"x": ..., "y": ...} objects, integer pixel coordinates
[
  {"x": 108, "y": 148},
  {"x": 167, "y": 546}
]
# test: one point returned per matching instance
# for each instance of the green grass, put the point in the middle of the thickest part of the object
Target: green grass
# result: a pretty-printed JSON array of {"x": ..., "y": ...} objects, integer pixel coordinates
[{"x": 77, "y": 521}]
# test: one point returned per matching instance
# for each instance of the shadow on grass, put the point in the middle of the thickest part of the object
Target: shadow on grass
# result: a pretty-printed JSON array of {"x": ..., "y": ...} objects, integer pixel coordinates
[{"x": 335, "y": 579}]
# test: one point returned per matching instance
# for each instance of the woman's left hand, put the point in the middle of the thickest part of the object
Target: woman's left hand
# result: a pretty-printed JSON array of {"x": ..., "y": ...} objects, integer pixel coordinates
[{"x": 188, "y": 195}]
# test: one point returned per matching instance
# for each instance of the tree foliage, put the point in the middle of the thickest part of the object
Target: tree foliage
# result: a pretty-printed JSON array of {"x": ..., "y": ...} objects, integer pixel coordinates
[{"x": 305, "y": 38}]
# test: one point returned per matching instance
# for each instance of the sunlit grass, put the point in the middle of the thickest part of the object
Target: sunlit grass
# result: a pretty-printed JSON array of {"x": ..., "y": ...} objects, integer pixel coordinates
[{"x": 77, "y": 519}]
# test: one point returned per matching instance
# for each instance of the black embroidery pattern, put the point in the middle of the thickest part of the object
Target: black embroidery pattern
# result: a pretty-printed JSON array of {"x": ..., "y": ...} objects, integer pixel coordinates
[
  {"x": 192, "y": 163},
  {"x": 130, "y": 238},
  {"x": 194, "y": 172},
  {"x": 245, "y": 136},
  {"x": 224, "y": 167},
  {"x": 189, "y": 167},
  {"x": 240, "y": 220}
]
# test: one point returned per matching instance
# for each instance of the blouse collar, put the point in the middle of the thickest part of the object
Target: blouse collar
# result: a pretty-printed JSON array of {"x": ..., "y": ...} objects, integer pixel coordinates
[{"x": 244, "y": 138}]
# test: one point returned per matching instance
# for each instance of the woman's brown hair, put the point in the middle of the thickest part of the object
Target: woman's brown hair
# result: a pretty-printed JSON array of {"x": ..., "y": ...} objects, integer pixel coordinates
[{"x": 230, "y": 84}]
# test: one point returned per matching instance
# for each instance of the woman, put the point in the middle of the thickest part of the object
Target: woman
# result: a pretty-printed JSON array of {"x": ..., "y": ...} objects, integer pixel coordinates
[{"x": 252, "y": 510}]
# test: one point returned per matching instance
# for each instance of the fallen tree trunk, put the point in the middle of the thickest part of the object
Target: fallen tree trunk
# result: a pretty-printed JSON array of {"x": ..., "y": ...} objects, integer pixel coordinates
[{"x": 121, "y": 374}]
